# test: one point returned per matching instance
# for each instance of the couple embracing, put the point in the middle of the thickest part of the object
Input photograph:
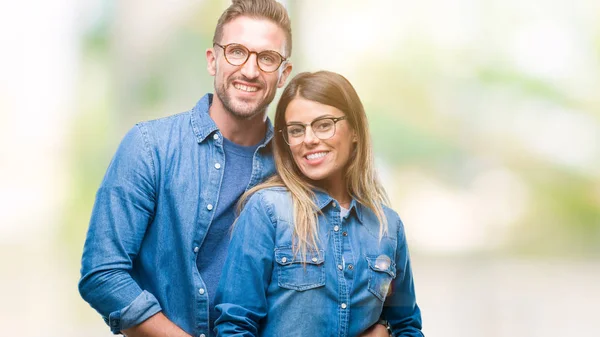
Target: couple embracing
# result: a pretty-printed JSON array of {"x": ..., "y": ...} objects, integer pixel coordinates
[{"x": 214, "y": 222}]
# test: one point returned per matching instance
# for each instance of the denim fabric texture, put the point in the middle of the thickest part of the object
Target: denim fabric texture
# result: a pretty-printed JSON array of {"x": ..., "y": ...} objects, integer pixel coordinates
[
  {"x": 340, "y": 289},
  {"x": 151, "y": 214}
]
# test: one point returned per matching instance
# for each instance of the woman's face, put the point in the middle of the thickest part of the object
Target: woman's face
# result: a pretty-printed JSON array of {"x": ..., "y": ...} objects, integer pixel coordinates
[{"x": 321, "y": 160}]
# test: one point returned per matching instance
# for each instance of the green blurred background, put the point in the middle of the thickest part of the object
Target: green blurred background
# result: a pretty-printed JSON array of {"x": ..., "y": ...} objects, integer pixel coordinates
[{"x": 485, "y": 117}]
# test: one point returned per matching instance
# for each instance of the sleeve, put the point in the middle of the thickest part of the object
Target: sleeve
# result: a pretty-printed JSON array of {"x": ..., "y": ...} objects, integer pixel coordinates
[
  {"x": 123, "y": 208},
  {"x": 241, "y": 299},
  {"x": 400, "y": 308}
]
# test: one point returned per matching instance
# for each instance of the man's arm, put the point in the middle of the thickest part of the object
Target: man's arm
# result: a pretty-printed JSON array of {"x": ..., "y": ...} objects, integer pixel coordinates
[
  {"x": 377, "y": 330},
  {"x": 123, "y": 208},
  {"x": 400, "y": 308},
  {"x": 156, "y": 326}
]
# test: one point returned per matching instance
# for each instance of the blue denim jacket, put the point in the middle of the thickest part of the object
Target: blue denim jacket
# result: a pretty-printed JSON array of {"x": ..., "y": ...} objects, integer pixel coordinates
[
  {"x": 152, "y": 212},
  {"x": 341, "y": 290}
]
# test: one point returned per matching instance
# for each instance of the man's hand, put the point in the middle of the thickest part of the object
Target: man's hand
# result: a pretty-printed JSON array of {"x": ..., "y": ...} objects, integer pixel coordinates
[
  {"x": 156, "y": 326},
  {"x": 377, "y": 330}
]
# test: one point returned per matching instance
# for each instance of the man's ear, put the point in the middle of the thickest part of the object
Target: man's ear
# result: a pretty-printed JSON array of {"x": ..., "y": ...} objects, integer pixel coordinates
[
  {"x": 287, "y": 69},
  {"x": 211, "y": 61}
]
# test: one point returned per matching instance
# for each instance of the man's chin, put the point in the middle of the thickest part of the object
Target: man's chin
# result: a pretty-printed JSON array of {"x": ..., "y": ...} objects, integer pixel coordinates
[
  {"x": 246, "y": 106},
  {"x": 246, "y": 111}
]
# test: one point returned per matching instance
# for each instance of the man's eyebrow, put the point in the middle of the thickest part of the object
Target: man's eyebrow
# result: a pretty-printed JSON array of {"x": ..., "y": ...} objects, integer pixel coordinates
[{"x": 252, "y": 50}]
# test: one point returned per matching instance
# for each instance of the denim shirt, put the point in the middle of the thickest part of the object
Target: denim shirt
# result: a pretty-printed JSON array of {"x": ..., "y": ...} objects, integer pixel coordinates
[
  {"x": 340, "y": 290},
  {"x": 152, "y": 212}
]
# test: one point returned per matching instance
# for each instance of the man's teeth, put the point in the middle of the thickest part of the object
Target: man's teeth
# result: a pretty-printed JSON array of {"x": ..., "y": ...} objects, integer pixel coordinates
[
  {"x": 245, "y": 88},
  {"x": 316, "y": 155}
]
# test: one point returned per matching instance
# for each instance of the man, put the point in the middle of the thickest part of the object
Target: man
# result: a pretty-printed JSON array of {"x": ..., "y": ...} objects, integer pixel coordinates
[{"x": 159, "y": 229}]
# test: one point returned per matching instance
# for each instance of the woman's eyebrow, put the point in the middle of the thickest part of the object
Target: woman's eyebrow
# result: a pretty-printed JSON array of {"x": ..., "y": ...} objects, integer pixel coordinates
[{"x": 320, "y": 117}]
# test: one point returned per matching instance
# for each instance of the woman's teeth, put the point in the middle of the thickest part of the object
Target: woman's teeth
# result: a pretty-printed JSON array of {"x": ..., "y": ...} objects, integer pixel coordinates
[{"x": 316, "y": 155}]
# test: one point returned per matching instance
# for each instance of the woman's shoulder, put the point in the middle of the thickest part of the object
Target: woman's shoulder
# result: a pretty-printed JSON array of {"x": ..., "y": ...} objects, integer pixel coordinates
[
  {"x": 271, "y": 193},
  {"x": 390, "y": 214},
  {"x": 275, "y": 200},
  {"x": 395, "y": 224},
  {"x": 393, "y": 219}
]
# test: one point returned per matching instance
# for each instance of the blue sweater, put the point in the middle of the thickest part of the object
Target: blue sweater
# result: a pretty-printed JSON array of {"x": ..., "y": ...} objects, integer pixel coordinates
[{"x": 236, "y": 175}]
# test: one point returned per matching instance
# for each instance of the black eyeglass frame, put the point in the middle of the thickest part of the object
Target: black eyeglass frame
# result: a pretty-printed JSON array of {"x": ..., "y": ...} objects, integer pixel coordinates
[
  {"x": 283, "y": 59},
  {"x": 334, "y": 119}
]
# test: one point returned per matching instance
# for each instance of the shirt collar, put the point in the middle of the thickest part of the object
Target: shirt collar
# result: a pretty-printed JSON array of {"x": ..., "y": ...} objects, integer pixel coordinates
[
  {"x": 324, "y": 200},
  {"x": 203, "y": 126}
]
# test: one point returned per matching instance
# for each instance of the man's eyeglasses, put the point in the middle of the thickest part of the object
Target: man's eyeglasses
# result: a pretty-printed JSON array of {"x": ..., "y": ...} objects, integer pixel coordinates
[
  {"x": 237, "y": 55},
  {"x": 323, "y": 128}
]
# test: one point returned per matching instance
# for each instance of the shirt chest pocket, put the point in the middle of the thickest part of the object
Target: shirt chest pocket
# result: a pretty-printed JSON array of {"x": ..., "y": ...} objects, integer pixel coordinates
[
  {"x": 382, "y": 270},
  {"x": 300, "y": 274}
]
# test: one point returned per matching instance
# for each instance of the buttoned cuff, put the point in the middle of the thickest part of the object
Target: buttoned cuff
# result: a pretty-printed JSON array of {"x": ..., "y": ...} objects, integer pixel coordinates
[{"x": 143, "y": 307}]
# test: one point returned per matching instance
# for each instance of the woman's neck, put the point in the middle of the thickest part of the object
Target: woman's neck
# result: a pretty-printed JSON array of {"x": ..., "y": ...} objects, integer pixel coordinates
[
  {"x": 345, "y": 204},
  {"x": 337, "y": 190}
]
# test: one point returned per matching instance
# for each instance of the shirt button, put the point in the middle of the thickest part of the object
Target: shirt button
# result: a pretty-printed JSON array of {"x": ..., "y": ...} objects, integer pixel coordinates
[
  {"x": 201, "y": 291},
  {"x": 314, "y": 259},
  {"x": 215, "y": 136},
  {"x": 196, "y": 249},
  {"x": 345, "y": 233},
  {"x": 333, "y": 204},
  {"x": 344, "y": 306},
  {"x": 350, "y": 267},
  {"x": 336, "y": 228},
  {"x": 284, "y": 260},
  {"x": 209, "y": 207},
  {"x": 202, "y": 335},
  {"x": 217, "y": 166},
  {"x": 340, "y": 267}
]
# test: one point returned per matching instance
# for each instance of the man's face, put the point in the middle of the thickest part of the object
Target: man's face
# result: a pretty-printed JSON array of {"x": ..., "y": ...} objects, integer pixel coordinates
[{"x": 245, "y": 91}]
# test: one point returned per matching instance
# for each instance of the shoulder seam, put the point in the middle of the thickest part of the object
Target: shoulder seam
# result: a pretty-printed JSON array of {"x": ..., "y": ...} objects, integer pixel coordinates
[
  {"x": 144, "y": 131},
  {"x": 269, "y": 209}
]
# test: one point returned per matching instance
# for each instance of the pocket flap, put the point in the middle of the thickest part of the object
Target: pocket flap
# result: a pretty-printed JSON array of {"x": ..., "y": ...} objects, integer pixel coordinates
[
  {"x": 382, "y": 263},
  {"x": 285, "y": 256}
]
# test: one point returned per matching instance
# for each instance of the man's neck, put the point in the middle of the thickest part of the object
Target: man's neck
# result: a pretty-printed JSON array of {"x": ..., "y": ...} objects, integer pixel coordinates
[{"x": 245, "y": 132}]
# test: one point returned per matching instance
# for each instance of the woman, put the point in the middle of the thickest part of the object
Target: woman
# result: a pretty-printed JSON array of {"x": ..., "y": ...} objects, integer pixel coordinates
[{"x": 314, "y": 251}]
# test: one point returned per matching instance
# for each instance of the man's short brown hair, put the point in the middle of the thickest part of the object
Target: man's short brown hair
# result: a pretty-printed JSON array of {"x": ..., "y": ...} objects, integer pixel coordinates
[{"x": 257, "y": 9}]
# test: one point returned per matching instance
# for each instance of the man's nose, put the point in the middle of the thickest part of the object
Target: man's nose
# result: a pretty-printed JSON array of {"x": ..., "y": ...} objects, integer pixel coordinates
[{"x": 250, "y": 69}]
